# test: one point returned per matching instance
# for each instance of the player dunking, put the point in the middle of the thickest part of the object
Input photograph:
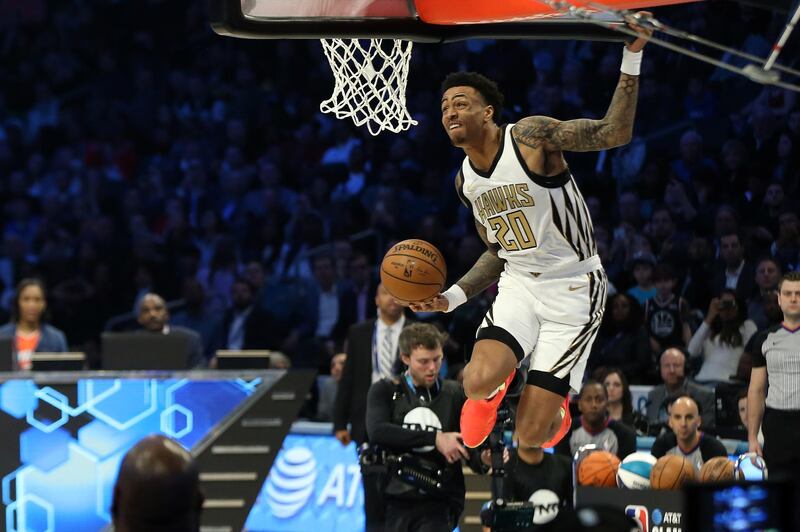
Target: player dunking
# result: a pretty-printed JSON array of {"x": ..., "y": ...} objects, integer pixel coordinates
[{"x": 535, "y": 223}]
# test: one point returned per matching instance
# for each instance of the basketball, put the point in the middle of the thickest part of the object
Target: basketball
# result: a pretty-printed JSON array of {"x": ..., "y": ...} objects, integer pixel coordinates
[
  {"x": 671, "y": 472},
  {"x": 634, "y": 471},
  {"x": 598, "y": 469},
  {"x": 717, "y": 469},
  {"x": 413, "y": 271}
]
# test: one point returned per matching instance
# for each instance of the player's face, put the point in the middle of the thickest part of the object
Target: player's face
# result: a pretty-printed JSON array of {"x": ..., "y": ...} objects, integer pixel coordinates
[
  {"x": 684, "y": 419},
  {"x": 789, "y": 299},
  {"x": 463, "y": 114},
  {"x": 424, "y": 365}
]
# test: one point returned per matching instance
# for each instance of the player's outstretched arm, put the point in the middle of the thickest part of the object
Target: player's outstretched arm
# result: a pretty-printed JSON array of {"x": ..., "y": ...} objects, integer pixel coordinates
[
  {"x": 614, "y": 129},
  {"x": 485, "y": 272}
]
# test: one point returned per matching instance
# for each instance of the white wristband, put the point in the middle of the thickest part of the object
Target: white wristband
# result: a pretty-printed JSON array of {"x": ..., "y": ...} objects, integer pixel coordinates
[
  {"x": 631, "y": 62},
  {"x": 455, "y": 297}
]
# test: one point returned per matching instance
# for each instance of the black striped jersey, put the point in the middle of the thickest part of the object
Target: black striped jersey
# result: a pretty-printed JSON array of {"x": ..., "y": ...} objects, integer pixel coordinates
[
  {"x": 778, "y": 348},
  {"x": 540, "y": 223}
]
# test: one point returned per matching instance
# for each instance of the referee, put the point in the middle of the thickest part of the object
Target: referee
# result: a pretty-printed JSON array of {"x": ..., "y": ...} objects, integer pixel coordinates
[{"x": 776, "y": 365}]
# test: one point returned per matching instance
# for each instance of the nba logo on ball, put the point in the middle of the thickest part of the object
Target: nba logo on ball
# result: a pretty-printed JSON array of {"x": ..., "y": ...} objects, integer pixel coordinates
[
  {"x": 640, "y": 515},
  {"x": 634, "y": 471}
]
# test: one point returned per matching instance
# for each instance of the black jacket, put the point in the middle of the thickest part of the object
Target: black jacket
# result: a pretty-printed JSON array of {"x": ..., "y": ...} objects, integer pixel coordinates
[
  {"x": 351, "y": 397},
  {"x": 257, "y": 330},
  {"x": 404, "y": 420}
]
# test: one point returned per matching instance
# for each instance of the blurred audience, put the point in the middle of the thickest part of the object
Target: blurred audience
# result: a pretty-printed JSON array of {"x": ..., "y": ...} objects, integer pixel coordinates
[{"x": 28, "y": 329}]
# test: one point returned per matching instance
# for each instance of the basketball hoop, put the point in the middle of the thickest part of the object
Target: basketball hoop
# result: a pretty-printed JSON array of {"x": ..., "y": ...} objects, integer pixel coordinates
[{"x": 370, "y": 82}]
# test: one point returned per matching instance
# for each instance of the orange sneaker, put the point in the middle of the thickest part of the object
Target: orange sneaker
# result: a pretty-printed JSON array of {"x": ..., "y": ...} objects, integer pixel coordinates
[
  {"x": 479, "y": 416},
  {"x": 566, "y": 423}
]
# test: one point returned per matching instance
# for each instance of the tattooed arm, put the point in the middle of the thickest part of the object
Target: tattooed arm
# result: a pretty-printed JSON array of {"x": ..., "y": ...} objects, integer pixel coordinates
[
  {"x": 486, "y": 270},
  {"x": 615, "y": 129}
]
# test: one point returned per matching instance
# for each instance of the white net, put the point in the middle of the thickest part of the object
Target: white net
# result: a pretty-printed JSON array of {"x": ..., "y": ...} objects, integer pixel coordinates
[{"x": 370, "y": 82}]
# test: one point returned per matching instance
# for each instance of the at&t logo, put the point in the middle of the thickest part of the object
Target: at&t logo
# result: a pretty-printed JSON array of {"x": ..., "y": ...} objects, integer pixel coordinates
[{"x": 291, "y": 481}]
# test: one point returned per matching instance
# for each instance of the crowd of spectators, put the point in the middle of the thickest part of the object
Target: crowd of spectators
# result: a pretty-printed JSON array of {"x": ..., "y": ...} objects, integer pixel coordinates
[{"x": 142, "y": 153}]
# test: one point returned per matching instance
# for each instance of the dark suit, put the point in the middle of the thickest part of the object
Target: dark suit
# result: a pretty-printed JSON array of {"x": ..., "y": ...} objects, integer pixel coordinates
[
  {"x": 348, "y": 308},
  {"x": 257, "y": 330},
  {"x": 351, "y": 397},
  {"x": 195, "y": 354},
  {"x": 350, "y": 407},
  {"x": 745, "y": 285}
]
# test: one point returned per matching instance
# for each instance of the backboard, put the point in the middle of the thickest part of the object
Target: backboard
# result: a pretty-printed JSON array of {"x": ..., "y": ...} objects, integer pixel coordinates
[
  {"x": 415, "y": 20},
  {"x": 367, "y": 19}
]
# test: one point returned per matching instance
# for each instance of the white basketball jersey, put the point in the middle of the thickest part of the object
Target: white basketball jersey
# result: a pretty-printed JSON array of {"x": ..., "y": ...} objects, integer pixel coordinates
[{"x": 540, "y": 223}]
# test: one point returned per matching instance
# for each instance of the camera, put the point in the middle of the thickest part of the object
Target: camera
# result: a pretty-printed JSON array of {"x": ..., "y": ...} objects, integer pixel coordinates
[
  {"x": 410, "y": 469},
  {"x": 499, "y": 514},
  {"x": 727, "y": 304}
]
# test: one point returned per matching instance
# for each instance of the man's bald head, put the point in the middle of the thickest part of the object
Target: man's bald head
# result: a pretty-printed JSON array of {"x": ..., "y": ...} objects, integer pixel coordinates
[{"x": 157, "y": 488}]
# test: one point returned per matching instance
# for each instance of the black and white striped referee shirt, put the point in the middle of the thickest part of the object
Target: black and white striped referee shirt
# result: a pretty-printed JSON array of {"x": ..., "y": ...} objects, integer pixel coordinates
[{"x": 778, "y": 349}]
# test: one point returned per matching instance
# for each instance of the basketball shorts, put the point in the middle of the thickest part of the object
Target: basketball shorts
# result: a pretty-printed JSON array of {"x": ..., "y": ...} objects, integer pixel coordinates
[{"x": 553, "y": 319}]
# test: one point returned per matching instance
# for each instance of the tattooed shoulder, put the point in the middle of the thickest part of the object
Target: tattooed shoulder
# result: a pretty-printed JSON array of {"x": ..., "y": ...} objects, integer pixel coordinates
[{"x": 535, "y": 131}]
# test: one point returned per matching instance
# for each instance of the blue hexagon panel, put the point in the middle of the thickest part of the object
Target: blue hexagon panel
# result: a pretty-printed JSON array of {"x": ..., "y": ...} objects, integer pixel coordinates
[{"x": 76, "y": 435}]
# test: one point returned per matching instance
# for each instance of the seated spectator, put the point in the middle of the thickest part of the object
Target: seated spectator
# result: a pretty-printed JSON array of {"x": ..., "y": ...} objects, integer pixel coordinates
[
  {"x": 327, "y": 395},
  {"x": 786, "y": 247},
  {"x": 198, "y": 317},
  {"x": 329, "y": 295},
  {"x": 622, "y": 341},
  {"x": 735, "y": 273},
  {"x": 620, "y": 403},
  {"x": 28, "y": 328},
  {"x": 594, "y": 425},
  {"x": 768, "y": 274},
  {"x": 535, "y": 471},
  {"x": 666, "y": 316},
  {"x": 685, "y": 438},
  {"x": 157, "y": 489},
  {"x": 774, "y": 316},
  {"x": 721, "y": 338},
  {"x": 245, "y": 326},
  {"x": 153, "y": 316},
  {"x": 673, "y": 365},
  {"x": 643, "y": 264},
  {"x": 357, "y": 302},
  {"x": 741, "y": 402}
]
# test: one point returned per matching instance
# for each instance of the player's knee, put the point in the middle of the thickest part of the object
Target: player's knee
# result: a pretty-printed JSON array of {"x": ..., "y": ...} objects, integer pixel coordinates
[
  {"x": 479, "y": 381},
  {"x": 532, "y": 432}
]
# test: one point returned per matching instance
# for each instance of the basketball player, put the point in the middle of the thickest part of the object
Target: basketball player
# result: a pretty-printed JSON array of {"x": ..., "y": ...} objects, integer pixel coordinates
[{"x": 539, "y": 235}]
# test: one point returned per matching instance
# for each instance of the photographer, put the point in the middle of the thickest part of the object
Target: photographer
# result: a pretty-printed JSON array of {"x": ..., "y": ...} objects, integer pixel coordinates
[
  {"x": 721, "y": 338},
  {"x": 415, "y": 420}
]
